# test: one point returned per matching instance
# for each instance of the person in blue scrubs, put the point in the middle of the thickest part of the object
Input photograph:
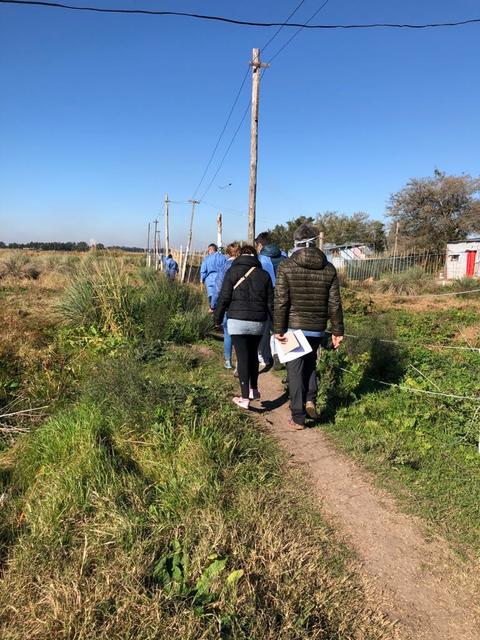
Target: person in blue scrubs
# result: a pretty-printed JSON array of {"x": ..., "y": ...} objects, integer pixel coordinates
[
  {"x": 171, "y": 267},
  {"x": 212, "y": 264}
]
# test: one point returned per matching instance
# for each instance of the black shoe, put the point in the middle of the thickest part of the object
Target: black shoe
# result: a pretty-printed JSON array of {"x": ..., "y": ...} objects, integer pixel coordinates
[{"x": 277, "y": 365}]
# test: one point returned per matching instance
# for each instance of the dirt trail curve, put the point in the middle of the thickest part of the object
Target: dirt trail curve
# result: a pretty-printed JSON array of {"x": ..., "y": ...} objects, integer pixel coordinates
[{"x": 422, "y": 585}]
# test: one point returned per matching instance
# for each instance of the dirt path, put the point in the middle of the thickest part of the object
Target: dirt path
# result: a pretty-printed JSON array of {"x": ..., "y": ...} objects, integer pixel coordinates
[{"x": 421, "y": 583}]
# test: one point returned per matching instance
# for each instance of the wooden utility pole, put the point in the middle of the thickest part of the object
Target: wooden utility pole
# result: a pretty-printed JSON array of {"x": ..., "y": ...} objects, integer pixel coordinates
[
  {"x": 189, "y": 243},
  {"x": 321, "y": 240},
  {"x": 252, "y": 200},
  {"x": 148, "y": 246},
  {"x": 167, "y": 231},
  {"x": 395, "y": 248},
  {"x": 155, "y": 245},
  {"x": 219, "y": 231},
  {"x": 158, "y": 261}
]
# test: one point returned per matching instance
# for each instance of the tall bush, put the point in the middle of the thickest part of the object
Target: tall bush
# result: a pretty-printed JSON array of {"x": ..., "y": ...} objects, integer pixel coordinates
[{"x": 125, "y": 302}]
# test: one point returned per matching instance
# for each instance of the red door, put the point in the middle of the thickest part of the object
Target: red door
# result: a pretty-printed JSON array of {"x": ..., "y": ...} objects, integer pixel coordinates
[{"x": 471, "y": 256}]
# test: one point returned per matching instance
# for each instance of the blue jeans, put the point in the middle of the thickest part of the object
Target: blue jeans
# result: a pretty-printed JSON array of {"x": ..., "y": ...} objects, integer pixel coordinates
[
  {"x": 264, "y": 346},
  {"x": 227, "y": 340}
]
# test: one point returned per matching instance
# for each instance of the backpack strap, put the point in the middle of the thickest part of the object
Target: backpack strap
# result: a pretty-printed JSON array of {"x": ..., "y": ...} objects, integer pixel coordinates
[{"x": 239, "y": 282}]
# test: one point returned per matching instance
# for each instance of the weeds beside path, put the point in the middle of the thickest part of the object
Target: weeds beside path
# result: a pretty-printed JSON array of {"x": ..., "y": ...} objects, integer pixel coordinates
[
  {"x": 145, "y": 506},
  {"x": 424, "y": 586}
]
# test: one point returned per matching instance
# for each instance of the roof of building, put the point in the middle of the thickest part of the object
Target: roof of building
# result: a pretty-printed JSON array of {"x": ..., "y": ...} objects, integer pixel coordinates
[
  {"x": 465, "y": 240},
  {"x": 347, "y": 245}
]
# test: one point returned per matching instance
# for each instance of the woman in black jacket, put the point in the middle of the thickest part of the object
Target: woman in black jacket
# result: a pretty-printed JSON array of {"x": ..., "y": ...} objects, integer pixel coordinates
[{"x": 247, "y": 295}]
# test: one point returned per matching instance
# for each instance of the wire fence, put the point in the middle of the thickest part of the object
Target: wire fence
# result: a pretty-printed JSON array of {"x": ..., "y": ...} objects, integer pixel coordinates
[{"x": 381, "y": 265}]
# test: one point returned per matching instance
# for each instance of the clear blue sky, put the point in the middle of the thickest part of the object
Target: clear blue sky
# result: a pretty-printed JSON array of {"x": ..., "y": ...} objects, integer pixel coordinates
[{"x": 100, "y": 115}]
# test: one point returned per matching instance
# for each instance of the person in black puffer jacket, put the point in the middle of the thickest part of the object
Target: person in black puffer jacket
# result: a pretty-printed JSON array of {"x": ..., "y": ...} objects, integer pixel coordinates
[
  {"x": 247, "y": 296},
  {"x": 307, "y": 295}
]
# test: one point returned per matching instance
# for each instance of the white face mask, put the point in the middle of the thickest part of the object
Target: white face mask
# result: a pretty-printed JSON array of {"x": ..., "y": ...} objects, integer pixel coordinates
[{"x": 306, "y": 243}]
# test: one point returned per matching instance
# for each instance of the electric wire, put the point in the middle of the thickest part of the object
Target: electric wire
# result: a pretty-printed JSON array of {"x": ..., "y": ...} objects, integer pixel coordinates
[
  {"x": 219, "y": 139},
  {"x": 270, "y": 40},
  {"x": 234, "y": 212},
  {"x": 262, "y": 74},
  {"x": 247, "y": 23},
  {"x": 285, "y": 45},
  {"x": 222, "y": 132},
  {"x": 232, "y": 140}
]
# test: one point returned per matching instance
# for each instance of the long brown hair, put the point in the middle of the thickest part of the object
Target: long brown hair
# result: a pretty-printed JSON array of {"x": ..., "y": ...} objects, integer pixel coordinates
[
  {"x": 233, "y": 250},
  {"x": 247, "y": 249}
]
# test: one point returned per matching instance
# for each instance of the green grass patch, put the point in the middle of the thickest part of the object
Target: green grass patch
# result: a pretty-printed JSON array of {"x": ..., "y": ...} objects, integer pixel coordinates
[
  {"x": 424, "y": 448},
  {"x": 151, "y": 508}
]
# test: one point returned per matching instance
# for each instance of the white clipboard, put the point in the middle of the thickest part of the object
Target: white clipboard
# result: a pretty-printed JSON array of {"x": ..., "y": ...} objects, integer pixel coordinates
[{"x": 302, "y": 349}]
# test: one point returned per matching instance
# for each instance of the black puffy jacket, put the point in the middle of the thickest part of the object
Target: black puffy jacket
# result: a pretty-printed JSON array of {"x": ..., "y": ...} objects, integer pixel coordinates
[
  {"x": 307, "y": 294},
  {"x": 252, "y": 299}
]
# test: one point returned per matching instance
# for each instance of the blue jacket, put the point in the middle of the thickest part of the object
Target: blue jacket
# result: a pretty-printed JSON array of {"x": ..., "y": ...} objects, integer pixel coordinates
[
  {"x": 219, "y": 281},
  {"x": 211, "y": 265},
  {"x": 275, "y": 255},
  {"x": 171, "y": 268},
  {"x": 267, "y": 264}
]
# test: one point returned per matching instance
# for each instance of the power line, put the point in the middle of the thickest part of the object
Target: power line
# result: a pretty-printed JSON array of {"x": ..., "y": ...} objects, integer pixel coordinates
[
  {"x": 262, "y": 71},
  {"x": 234, "y": 212},
  {"x": 222, "y": 132},
  {"x": 212, "y": 155},
  {"x": 242, "y": 120},
  {"x": 270, "y": 40},
  {"x": 246, "y": 23},
  {"x": 284, "y": 46}
]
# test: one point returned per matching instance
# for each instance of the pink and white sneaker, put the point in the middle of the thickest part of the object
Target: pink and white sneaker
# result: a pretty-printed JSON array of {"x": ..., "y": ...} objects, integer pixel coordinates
[
  {"x": 243, "y": 403},
  {"x": 254, "y": 394}
]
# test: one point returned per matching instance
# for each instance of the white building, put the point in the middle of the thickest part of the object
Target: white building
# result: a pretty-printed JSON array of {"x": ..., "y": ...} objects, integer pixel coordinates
[
  {"x": 339, "y": 254},
  {"x": 463, "y": 259}
]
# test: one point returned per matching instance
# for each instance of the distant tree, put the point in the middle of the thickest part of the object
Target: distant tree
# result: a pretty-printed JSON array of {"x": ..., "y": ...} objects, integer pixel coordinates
[
  {"x": 433, "y": 211},
  {"x": 50, "y": 246},
  {"x": 341, "y": 229},
  {"x": 2, "y": 245},
  {"x": 126, "y": 249},
  {"x": 282, "y": 234}
]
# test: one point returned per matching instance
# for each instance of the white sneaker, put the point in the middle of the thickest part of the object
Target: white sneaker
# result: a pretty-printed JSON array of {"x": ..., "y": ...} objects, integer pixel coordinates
[
  {"x": 254, "y": 394},
  {"x": 243, "y": 403}
]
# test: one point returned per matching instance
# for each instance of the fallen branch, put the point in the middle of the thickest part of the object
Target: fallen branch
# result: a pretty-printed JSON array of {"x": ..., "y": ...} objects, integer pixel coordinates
[
  {"x": 7, "y": 429},
  {"x": 23, "y": 411}
]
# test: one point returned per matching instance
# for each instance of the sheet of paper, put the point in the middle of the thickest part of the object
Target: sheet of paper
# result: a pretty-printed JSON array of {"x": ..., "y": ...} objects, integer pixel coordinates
[
  {"x": 302, "y": 349},
  {"x": 291, "y": 343}
]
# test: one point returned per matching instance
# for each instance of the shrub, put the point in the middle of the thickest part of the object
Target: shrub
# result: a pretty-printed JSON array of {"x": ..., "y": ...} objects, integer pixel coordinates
[
  {"x": 467, "y": 285},
  {"x": 145, "y": 305},
  {"x": 19, "y": 266},
  {"x": 102, "y": 294},
  {"x": 408, "y": 282}
]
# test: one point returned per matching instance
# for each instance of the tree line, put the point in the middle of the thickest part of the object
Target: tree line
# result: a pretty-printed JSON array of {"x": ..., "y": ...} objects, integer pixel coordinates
[
  {"x": 66, "y": 246},
  {"x": 430, "y": 212}
]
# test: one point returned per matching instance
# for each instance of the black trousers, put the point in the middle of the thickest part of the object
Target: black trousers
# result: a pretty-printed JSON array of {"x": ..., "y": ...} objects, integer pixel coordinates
[
  {"x": 302, "y": 381},
  {"x": 246, "y": 348}
]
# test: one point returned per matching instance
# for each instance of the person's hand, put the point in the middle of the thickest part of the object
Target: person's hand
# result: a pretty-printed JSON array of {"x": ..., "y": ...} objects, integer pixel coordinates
[
  {"x": 336, "y": 341},
  {"x": 211, "y": 311},
  {"x": 280, "y": 337}
]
